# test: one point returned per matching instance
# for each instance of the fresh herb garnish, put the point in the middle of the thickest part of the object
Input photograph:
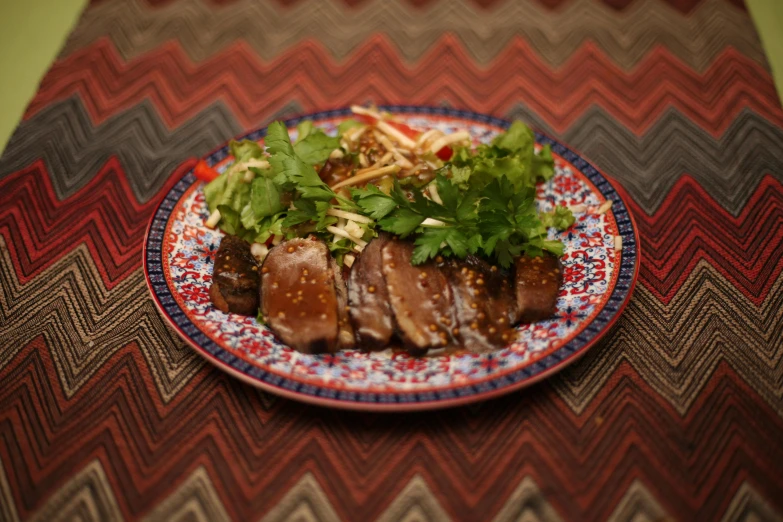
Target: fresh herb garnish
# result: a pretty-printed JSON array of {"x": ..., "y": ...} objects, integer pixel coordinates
[{"x": 484, "y": 199}]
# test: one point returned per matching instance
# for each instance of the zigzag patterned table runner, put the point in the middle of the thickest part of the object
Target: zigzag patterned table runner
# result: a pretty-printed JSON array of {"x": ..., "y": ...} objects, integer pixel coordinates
[{"x": 676, "y": 415}]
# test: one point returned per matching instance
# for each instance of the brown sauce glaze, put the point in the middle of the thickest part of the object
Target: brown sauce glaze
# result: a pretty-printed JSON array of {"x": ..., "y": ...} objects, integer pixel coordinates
[
  {"x": 420, "y": 298},
  {"x": 298, "y": 296},
  {"x": 537, "y": 283},
  {"x": 235, "y": 278}
]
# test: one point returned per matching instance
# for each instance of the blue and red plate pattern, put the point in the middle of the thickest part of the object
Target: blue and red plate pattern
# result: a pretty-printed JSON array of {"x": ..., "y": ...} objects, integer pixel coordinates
[{"x": 599, "y": 276}]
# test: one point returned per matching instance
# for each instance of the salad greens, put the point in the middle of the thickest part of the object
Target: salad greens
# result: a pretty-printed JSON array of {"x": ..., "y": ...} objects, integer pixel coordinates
[{"x": 481, "y": 201}]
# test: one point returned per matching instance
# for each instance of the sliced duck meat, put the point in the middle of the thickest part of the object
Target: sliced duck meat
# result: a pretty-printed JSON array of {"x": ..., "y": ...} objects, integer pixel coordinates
[
  {"x": 298, "y": 296},
  {"x": 484, "y": 303},
  {"x": 368, "y": 299},
  {"x": 420, "y": 299},
  {"x": 345, "y": 336},
  {"x": 235, "y": 278},
  {"x": 537, "y": 282}
]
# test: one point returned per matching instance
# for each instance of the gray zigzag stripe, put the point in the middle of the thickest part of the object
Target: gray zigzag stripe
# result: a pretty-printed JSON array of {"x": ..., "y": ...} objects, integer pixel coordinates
[
  {"x": 728, "y": 168},
  {"x": 648, "y": 166},
  {"x": 84, "y": 324},
  {"x": 626, "y": 36},
  {"x": 74, "y": 150},
  {"x": 676, "y": 347}
]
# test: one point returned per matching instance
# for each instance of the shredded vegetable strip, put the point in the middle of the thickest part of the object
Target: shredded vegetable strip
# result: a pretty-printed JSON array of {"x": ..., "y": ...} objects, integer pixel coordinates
[{"x": 367, "y": 176}]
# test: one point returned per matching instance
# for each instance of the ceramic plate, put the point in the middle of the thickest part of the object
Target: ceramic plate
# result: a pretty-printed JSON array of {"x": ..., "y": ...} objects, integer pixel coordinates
[{"x": 600, "y": 272}]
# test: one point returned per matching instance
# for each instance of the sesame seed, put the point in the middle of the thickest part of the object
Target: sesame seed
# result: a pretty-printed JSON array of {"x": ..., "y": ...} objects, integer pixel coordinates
[
  {"x": 371, "y": 289},
  {"x": 228, "y": 257},
  {"x": 481, "y": 316},
  {"x": 543, "y": 281},
  {"x": 254, "y": 269},
  {"x": 423, "y": 275},
  {"x": 226, "y": 266},
  {"x": 265, "y": 270},
  {"x": 323, "y": 316},
  {"x": 320, "y": 296},
  {"x": 291, "y": 249},
  {"x": 302, "y": 279},
  {"x": 479, "y": 281},
  {"x": 288, "y": 294},
  {"x": 502, "y": 320},
  {"x": 275, "y": 285},
  {"x": 455, "y": 331},
  {"x": 312, "y": 281},
  {"x": 504, "y": 337},
  {"x": 281, "y": 315},
  {"x": 464, "y": 270},
  {"x": 436, "y": 297},
  {"x": 439, "y": 259},
  {"x": 473, "y": 305},
  {"x": 305, "y": 271},
  {"x": 474, "y": 325},
  {"x": 492, "y": 329},
  {"x": 433, "y": 327},
  {"x": 494, "y": 268},
  {"x": 392, "y": 265},
  {"x": 299, "y": 292}
]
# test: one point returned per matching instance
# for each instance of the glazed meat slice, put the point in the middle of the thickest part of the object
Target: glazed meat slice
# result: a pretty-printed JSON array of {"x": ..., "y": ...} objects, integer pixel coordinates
[
  {"x": 368, "y": 298},
  {"x": 235, "y": 278},
  {"x": 420, "y": 299},
  {"x": 537, "y": 283},
  {"x": 298, "y": 296},
  {"x": 484, "y": 303},
  {"x": 345, "y": 337}
]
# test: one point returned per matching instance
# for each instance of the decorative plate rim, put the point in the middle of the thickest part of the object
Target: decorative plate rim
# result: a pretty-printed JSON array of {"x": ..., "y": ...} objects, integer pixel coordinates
[{"x": 453, "y": 395}]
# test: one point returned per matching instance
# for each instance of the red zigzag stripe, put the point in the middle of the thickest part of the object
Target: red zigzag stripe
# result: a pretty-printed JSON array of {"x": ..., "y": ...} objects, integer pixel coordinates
[
  {"x": 308, "y": 74},
  {"x": 104, "y": 215},
  {"x": 146, "y": 446},
  {"x": 690, "y": 227}
]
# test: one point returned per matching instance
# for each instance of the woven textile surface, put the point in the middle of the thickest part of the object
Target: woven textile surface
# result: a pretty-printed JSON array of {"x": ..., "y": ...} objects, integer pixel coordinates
[{"x": 676, "y": 415}]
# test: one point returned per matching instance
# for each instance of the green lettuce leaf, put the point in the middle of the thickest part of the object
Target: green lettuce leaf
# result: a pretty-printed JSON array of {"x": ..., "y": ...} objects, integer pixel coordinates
[
  {"x": 560, "y": 218},
  {"x": 245, "y": 150}
]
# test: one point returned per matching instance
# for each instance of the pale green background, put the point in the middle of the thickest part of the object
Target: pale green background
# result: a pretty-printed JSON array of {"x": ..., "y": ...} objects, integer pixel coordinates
[{"x": 33, "y": 31}]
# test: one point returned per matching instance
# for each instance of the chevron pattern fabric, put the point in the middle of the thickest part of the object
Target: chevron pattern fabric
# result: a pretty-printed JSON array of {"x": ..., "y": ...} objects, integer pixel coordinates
[{"x": 676, "y": 415}]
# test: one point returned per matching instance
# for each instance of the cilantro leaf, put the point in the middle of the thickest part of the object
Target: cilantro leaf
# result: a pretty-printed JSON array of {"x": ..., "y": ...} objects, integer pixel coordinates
[
  {"x": 316, "y": 147},
  {"x": 290, "y": 169},
  {"x": 428, "y": 244},
  {"x": 448, "y": 192},
  {"x": 401, "y": 222},
  {"x": 458, "y": 243},
  {"x": 377, "y": 207},
  {"x": 265, "y": 198}
]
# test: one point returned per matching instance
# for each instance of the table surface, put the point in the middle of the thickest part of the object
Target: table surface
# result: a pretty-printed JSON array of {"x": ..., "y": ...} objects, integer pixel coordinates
[
  {"x": 32, "y": 32},
  {"x": 676, "y": 414}
]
